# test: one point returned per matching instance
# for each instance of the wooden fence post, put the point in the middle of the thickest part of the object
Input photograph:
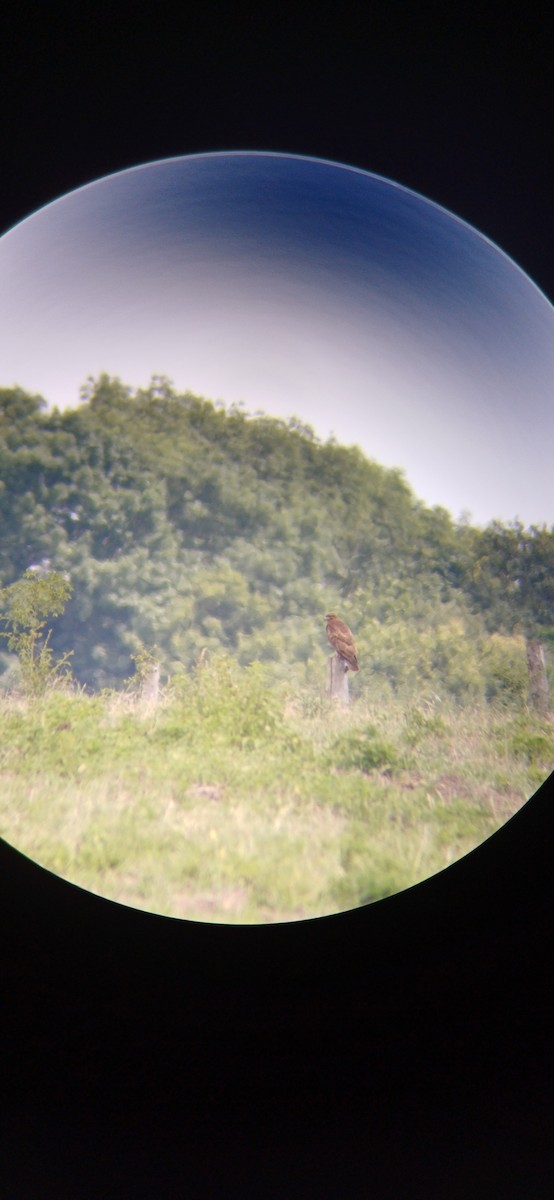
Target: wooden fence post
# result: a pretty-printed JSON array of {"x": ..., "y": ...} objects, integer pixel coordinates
[
  {"x": 150, "y": 686},
  {"x": 337, "y": 680},
  {"x": 538, "y": 682}
]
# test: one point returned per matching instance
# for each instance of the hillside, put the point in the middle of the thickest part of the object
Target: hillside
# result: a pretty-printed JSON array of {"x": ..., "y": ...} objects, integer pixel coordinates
[{"x": 183, "y": 525}]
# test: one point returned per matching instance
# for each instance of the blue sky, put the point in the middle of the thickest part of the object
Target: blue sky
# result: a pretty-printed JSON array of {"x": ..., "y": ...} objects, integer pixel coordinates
[{"x": 298, "y": 287}]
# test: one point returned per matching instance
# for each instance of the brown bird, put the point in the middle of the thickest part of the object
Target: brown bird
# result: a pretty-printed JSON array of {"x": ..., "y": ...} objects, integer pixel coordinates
[{"x": 342, "y": 641}]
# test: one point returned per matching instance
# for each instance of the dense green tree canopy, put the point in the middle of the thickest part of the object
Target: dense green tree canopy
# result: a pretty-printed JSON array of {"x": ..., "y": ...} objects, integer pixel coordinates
[{"x": 187, "y": 525}]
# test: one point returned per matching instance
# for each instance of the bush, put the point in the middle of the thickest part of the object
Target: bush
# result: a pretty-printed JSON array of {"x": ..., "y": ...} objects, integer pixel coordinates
[
  {"x": 28, "y": 603},
  {"x": 232, "y": 703},
  {"x": 505, "y": 669},
  {"x": 405, "y": 656},
  {"x": 364, "y": 751}
]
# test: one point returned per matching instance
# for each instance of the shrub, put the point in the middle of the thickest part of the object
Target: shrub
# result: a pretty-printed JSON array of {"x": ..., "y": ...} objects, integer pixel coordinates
[
  {"x": 28, "y": 603},
  {"x": 235, "y": 704},
  {"x": 505, "y": 669},
  {"x": 364, "y": 751}
]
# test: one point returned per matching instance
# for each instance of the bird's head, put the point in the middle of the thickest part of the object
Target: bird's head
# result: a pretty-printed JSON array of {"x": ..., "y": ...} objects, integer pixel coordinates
[{"x": 330, "y": 616}]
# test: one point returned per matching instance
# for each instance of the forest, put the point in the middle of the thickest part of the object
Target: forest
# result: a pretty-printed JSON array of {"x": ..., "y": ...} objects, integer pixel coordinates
[
  {"x": 151, "y": 529},
  {"x": 189, "y": 528}
]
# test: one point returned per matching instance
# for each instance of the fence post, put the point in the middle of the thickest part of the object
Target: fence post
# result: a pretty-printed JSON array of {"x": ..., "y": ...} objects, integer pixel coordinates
[
  {"x": 150, "y": 686},
  {"x": 337, "y": 680},
  {"x": 538, "y": 682}
]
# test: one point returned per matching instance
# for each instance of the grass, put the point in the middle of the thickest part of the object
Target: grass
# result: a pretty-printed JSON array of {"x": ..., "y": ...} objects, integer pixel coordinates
[{"x": 229, "y": 803}]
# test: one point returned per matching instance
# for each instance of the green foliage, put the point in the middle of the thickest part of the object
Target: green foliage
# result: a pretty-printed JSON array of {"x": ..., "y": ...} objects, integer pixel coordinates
[
  {"x": 224, "y": 702},
  {"x": 421, "y": 724},
  {"x": 219, "y": 540},
  {"x": 369, "y": 875},
  {"x": 28, "y": 603},
  {"x": 435, "y": 646},
  {"x": 505, "y": 669},
  {"x": 146, "y": 659},
  {"x": 511, "y": 577},
  {"x": 224, "y": 804},
  {"x": 534, "y": 743},
  {"x": 194, "y": 527},
  {"x": 365, "y": 751}
]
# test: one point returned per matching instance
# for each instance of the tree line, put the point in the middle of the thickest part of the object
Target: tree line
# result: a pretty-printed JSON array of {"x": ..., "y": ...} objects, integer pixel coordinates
[{"x": 200, "y": 529}]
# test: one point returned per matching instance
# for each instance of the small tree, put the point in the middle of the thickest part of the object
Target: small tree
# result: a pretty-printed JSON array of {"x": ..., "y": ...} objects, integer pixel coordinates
[
  {"x": 28, "y": 603},
  {"x": 512, "y": 582}
]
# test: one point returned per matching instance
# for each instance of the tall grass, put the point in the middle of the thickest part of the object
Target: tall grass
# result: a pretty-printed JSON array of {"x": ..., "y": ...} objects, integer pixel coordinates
[{"x": 231, "y": 801}]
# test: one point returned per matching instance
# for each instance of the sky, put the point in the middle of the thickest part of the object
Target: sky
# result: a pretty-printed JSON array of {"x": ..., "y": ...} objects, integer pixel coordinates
[{"x": 297, "y": 287}]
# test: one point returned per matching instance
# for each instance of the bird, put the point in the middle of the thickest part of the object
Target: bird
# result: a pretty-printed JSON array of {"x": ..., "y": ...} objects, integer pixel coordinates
[{"x": 341, "y": 639}]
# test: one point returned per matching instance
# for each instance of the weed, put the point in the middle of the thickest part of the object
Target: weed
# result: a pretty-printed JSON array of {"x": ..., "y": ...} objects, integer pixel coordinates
[{"x": 365, "y": 751}]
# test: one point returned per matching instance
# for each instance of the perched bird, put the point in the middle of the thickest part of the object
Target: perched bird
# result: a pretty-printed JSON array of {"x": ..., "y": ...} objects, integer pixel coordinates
[{"x": 342, "y": 641}]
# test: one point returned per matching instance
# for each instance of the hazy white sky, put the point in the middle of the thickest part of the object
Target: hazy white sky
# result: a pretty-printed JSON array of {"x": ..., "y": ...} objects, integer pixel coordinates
[{"x": 442, "y": 366}]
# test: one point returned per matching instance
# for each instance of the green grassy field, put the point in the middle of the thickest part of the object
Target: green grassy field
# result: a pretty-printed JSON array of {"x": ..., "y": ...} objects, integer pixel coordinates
[{"x": 231, "y": 802}]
